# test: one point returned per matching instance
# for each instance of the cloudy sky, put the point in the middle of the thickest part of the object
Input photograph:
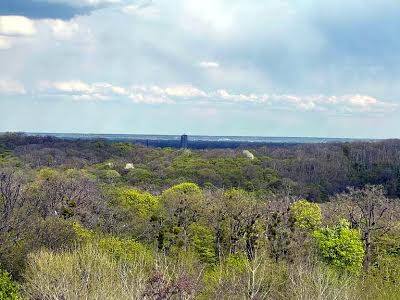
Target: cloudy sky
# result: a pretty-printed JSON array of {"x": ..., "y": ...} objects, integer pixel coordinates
[{"x": 218, "y": 67}]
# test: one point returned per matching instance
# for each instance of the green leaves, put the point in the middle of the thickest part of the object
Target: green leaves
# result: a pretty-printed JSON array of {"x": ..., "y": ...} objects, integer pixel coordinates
[
  {"x": 225, "y": 171},
  {"x": 306, "y": 215},
  {"x": 203, "y": 241},
  {"x": 341, "y": 247},
  {"x": 125, "y": 249},
  {"x": 143, "y": 203},
  {"x": 185, "y": 188},
  {"x": 8, "y": 289}
]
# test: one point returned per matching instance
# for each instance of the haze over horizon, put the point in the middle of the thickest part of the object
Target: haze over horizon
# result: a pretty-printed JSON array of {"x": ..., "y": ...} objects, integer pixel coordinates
[
  {"x": 213, "y": 67},
  {"x": 178, "y": 135}
]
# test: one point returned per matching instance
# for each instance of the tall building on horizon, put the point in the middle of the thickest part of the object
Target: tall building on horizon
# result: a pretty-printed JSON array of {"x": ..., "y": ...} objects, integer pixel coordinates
[{"x": 184, "y": 141}]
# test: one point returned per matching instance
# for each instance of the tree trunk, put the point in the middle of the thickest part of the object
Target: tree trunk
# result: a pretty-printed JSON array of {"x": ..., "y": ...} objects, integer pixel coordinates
[{"x": 367, "y": 258}]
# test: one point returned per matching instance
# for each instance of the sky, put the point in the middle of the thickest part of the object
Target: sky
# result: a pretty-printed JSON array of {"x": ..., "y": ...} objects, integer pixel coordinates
[{"x": 212, "y": 67}]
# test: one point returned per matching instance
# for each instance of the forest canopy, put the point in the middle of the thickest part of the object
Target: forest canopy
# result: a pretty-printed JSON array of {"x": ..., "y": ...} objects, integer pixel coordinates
[{"x": 109, "y": 220}]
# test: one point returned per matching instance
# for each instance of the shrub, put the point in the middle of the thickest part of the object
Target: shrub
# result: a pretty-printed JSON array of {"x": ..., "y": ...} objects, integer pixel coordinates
[
  {"x": 240, "y": 278},
  {"x": 125, "y": 249},
  {"x": 109, "y": 175},
  {"x": 183, "y": 204},
  {"x": 85, "y": 273},
  {"x": 318, "y": 282},
  {"x": 82, "y": 234},
  {"x": 55, "y": 233},
  {"x": 8, "y": 289}
]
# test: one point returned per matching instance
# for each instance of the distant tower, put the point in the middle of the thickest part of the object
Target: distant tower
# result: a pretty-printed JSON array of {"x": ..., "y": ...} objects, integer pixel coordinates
[{"x": 184, "y": 141}]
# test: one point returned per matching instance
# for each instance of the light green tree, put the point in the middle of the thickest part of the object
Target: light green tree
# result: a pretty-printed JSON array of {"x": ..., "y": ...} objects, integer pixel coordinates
[
  {"x": 143, "y": 203},
  {"x": 202, "y": 239},
  {"x": 306, "y": 215},
  {"x": 341, "y": 247}
]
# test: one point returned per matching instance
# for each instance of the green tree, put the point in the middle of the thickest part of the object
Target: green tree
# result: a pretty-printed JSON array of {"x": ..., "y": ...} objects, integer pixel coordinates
[
  {"x": 306, "y": 215},
  {"x": 369, "y": 210},
  {"x": 237, "y": 219},
  {"x": 203, "y": 241},
  {"x": 132, "y": 213},
  {"x": 141, "y": 176},
  {"x": 143, "y": 203},
  {"x": 341, "y": 247},
  {"x": 183, "y": 204}
]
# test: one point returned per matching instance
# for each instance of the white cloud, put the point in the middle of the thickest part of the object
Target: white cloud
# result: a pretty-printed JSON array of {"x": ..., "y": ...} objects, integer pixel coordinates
[
  {"x": 185, "y": 91},
  {"x": 339, "y": 104},
  {"x": 5, "y": 42},
  {"x": 140, "y": 94},
  {"x": 73, "y": 86},
  {"x": 62, "y": 30},
  {"x": 150, "y": 99},
  {"x": 153, "y": 94},
  {"x": 16, "y": 26},
  {"x": 20, "y": 30},
  {"x": 11, "y": 87},
  {"x": 90, "y": 97},
  {"x": 362, "y": 100},
  {"x": 96, "y": 2},
  {"x": 209, "y": 64},
  {"x": 170, "y": 94},
  {"x": 119, "y": 90},
  {"x": 342, "y": 103},
  {"x": 80, "y": 90},
  {"x": 225, "y": 95},
  {"x": 146, "y": 10}
]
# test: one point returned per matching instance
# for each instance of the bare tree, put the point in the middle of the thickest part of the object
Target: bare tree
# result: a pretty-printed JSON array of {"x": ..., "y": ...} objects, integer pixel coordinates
[
  {"x": 369, "y": 210},
  {"x": 11, "y": 200},
  {"x": 279, "y": 225},
  {"x": 65, "y": 193}
]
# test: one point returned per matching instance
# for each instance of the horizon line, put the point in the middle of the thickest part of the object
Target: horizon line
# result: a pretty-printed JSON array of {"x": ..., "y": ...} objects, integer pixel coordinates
[{"x": 197, "y": 135}]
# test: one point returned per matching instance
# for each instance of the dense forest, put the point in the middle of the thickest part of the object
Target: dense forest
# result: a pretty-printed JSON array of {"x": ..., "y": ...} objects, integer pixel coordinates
[{"x": 95, "y": 219}]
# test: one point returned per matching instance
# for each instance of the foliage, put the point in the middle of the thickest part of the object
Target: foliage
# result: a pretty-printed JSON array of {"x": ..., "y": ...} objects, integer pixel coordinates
[
  {"x": 125, "y": 249},
  {"x": 316, "y": 281},
  {"x": 143, "y": 203},
  {"x": 83, "y": 234},
  {"x": 236, "y": 262},
  {"x": 55, "y": 233},
  {"x": 199, "y": 224},
  {"x": 8, "y": 289},
  {"x": 109, "y": 175},
  {"x": 306, "y": 215},
  {"x": 341, "y": 247},
  {"x": 183, "y": 204},
  {"x": 141, "y": 176},
  {"x": 203, "y": 241},
  {"x": 371, "y": 211},
  {"x": 182, "y": 190}
]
